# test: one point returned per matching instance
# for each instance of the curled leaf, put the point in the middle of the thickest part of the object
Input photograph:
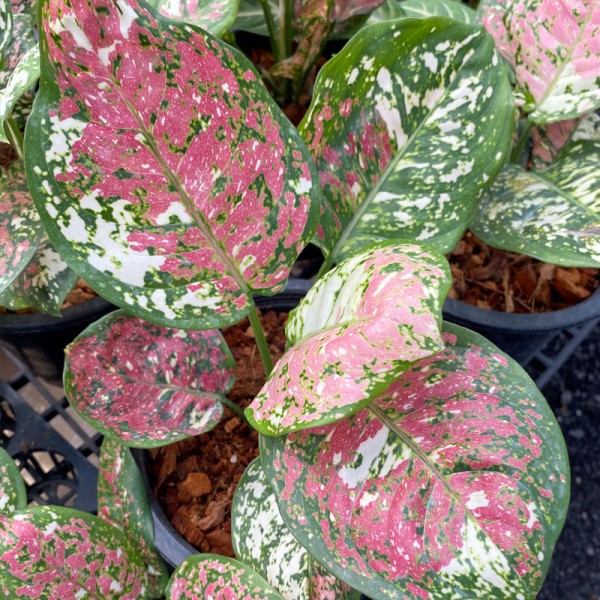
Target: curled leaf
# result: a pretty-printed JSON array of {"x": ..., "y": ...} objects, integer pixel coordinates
[
  {"x": 216, "y": 16},
  {"x": 146, "y": 384},
  {"x": 455, "y": 479},
  {"x": 356, "y": 330}
]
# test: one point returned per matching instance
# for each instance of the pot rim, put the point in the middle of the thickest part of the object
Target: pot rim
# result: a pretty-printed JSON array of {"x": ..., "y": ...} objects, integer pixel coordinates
[{"x": 564, "y": 318}]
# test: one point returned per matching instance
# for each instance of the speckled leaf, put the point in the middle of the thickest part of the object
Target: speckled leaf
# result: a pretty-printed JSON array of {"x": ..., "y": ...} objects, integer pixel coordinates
[
  {"x": 176, "y": 194},
  {"x": 43, "y": 284},
  {"x": 215, "y": 16},
  {"x": 262, "y": 540},
  {"x": 452, "y": 484},
  {"x": 122, "y": 502},
  {"x": 20, "y": 227},
  {"x": 5, "y": 26},
  {"x": 490, "y": 13},
  {"x": 206, "y": 576},
  {"x": 356, "y": 330},
  {"x": 548, "y": 140},
  {"x": 409, "y": 124},
  {"x": 55, "y": 552},
  {"x": 146, "y": 384},
  {"x": 421, "y": 9},
  {"x": 554, "y": 47},
  {"x": 13, "y": 495},
  {"x": 551, "y": 214},
  {"x": 25, "y": 74}
]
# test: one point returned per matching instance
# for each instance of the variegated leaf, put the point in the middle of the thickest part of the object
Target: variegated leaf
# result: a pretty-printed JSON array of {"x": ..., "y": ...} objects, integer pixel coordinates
[
  {"x": 176, "y": 195},
  {"x": 55, "y": 552},
  {"x": 146, "y": 384},
  {"x": 490, "y": 13},
  {"x": 357, "y": 329},
  {"x": 409, "y": 124},
  {"x": 13, "y": 495},
  {"x": 553, "y": 45},
  {"x": 422, "y": 9},
  {"x": 454, "y": 483},
  {"x": 5, "y": 27},
  {"x": 262, "y": 540},
  {"x": 548, "y": 140},
  {"x": 43, "y": 284},
  {"x": 122, "y": 502},
  {"x": 25, "y": 74},
  {"x": 20, "y": 227},
  {"x": 215, "y": 16},
  {"x": 551, "y": 214},
  {"x": 206, "y": 576}
]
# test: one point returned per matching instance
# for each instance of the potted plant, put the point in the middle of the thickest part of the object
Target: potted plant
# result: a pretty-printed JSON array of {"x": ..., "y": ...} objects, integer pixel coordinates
[
  {"x": 409, "y": 458},
  {"x": 543, "y": 204}
]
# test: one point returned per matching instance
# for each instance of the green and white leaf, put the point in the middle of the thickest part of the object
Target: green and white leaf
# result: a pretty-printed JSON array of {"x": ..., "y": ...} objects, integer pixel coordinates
[
  {"x": 262, "y": 540},
  {"x": 20, "y": 226},
  {"x": 422, "y": 9},
  {"x": 56, "y": 552},
  {"x": 5, "y": 27},
  {"x": 408, "y": 126},
  {"x": 123, "y": 503},
  {"x": 360, "y": 326},
  {"x": 21, "y": 80},
  {"x": 215, "y": 16},
  {"x": 205, "y": 576},
  {"x": 13, "y": 495},
  {"x": 551, "y": 214},
  {"x": 43, "y": 284}
]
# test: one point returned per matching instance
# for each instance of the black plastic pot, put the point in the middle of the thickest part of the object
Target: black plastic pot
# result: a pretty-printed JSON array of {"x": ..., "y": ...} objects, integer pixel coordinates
[
  {"x": 522, "y": 335},
  {"x": 40, "y": 340},
  {"x": 173, "y": 548}
]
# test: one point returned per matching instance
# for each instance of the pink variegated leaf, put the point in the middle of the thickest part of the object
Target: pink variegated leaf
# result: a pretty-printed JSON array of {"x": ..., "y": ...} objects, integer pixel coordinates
[
  {"x": 554, "y": 47},
  {"x": 147, "y": 384},
  {"x": 60, "y": 553},
  {"x": 13, "y": 495},
  {"x": 20, "y": 227},
  {"x": 165, "y": 174},
  {"x": 123, "y": 503},
  {"x": 455, "y": 480},
  {"x": 216, "y": 16},
  {"x": 490, "y": 13},
  {"x": 548, "y": 140},
  {"x": 357, "y": 329},
  {"x": 205, "y": 576},
  {"x": 43, "y": 284}
]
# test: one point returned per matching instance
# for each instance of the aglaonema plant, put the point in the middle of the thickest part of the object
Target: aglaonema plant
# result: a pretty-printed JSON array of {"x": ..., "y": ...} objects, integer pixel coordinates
[{"x": 400, "y": 457}]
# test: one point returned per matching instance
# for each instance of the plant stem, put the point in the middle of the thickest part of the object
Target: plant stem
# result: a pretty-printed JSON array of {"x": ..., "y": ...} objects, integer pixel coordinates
[
  {"x": 276, "y": 45},
  {"x": 517, "y": 151},
  {"x": 261, "y": 342},
  {"x": 232, "y": 406},
  {"x": 14, "y": 135}
]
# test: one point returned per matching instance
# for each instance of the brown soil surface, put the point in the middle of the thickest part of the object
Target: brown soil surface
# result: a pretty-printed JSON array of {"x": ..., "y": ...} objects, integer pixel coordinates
[
  {"x": 195, "y": 479},
  {"x": 508, "y": 282}
]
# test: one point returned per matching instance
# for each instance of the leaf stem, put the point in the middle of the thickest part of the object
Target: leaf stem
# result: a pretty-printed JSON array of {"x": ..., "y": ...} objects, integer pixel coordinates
[
  {"x": 233, "y": 407},
  {"x": 261, "y": 342},
  {"x": 517, "y": 151},
  {"x": 273, "y": 33},
  {"x": 14, "y": 135}
]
